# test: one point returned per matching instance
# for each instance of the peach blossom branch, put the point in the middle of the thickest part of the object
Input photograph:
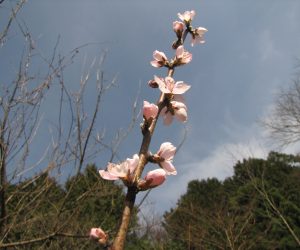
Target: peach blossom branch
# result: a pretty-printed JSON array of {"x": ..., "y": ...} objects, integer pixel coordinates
[{"x": 170, "y": 104}]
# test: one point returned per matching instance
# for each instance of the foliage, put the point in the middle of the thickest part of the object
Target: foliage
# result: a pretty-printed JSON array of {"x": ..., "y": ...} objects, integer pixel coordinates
[
  {"x": 257, "y": 208},
  {"x": 85, "y": 200}
]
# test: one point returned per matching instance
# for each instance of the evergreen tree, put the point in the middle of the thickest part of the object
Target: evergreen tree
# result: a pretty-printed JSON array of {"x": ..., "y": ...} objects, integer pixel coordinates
[
  {"x": 257, "y": 208},
  {"x": 85, "y": 201}
]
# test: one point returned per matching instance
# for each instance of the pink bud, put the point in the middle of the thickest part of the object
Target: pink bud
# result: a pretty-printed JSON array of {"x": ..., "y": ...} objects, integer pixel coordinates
[
  {"x": 150, "y": 110},
  {"x": 178, "y": 28},
  {"x": 98, "y": 233},
  {"x": 155, "y": 177}
]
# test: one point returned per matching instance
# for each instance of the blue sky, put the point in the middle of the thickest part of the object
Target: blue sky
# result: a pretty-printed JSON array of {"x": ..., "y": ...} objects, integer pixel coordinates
[{"x": 248, "y": 56}]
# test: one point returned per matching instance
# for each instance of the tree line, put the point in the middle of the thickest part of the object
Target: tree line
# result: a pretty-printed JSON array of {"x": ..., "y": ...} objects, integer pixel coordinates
[{"x": 257, "y": 208}]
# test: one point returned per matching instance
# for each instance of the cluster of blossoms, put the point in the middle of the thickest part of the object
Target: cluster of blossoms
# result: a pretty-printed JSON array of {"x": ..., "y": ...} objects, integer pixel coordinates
[
  {"x": 179, "y": 28},
  {"x": 171, "y": 104},
  {"x": 125, "y": 170}
]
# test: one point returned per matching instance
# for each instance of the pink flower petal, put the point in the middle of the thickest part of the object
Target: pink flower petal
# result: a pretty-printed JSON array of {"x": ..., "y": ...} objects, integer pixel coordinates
[
  {"x": 170, "y": 83},
  {"x": 192, "y": 14},
  {"x": 201, "y": 31},
  {"x": 178, "y": 105},
  {"x": 187, "y": 16},
  {"x": 180, "y": 110},
  {"x": 162, "y": 85},
  {"x": 107, "y": 176},
  {"x": 159, "y": 56},
  {"x": 156, "y": 64},
  {"x": 159, "y": 59},
  {"x": 168, "y": 167},
  {"x": 186, "y": 58},
  {"x": 180, "y": 88},
  {"x": 167, "y": 151},
  {"x": 133, "y": 163},
  {"x": 179, "y": 98},
  {"x": 167, "y": 117},
  {"x": 198, "y": 36},
  {"x": 181, "y": 115},
  {"x": 150, "y": 110},
  {"x": 183, "y": 56},
  {"x": 120, "y": 170},
  {"x": 179, "y": 51}
]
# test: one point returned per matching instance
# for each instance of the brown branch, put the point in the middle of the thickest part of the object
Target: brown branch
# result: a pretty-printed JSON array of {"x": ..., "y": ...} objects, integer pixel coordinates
[
  {"x": 119, "y": 241},
  {"x": 13, "y": 15},
  {"x": 40, "y": 239}
]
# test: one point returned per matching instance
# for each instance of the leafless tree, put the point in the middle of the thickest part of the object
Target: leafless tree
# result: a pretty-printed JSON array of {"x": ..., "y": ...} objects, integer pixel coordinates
[
  {"x": 73, "y": 140},
  {"x": 283, "y": 124}
]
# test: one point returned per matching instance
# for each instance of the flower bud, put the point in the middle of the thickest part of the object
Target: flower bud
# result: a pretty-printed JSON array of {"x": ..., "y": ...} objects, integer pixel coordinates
[
  {"x": 153, "y": 84},
  {"x": 98, "y": 234},
  {"x": 150, "y": 110},
  {"x": 155, "y": 177},
  {"x": 178, "y": 28}
]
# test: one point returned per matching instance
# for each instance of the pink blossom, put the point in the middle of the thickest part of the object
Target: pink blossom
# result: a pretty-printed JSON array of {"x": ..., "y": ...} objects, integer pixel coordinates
[
  {"x": 177, "y": 109},
  {"x": 178, "y": 28},
  {"x": 167, "y": 152},
  {"x": 168, "y": 85},
  {"x": 187, "y": 16},
  {"x": 183, "y": 56},
  {"x": 155, "y": 177},
  {"x": 120, "y": 171},
  {"x": 197, "y": 36},
  {"x": 98, "y": 234},
  {"x": 160, "y": 59},
  {"x": 150, "y": 110}
]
